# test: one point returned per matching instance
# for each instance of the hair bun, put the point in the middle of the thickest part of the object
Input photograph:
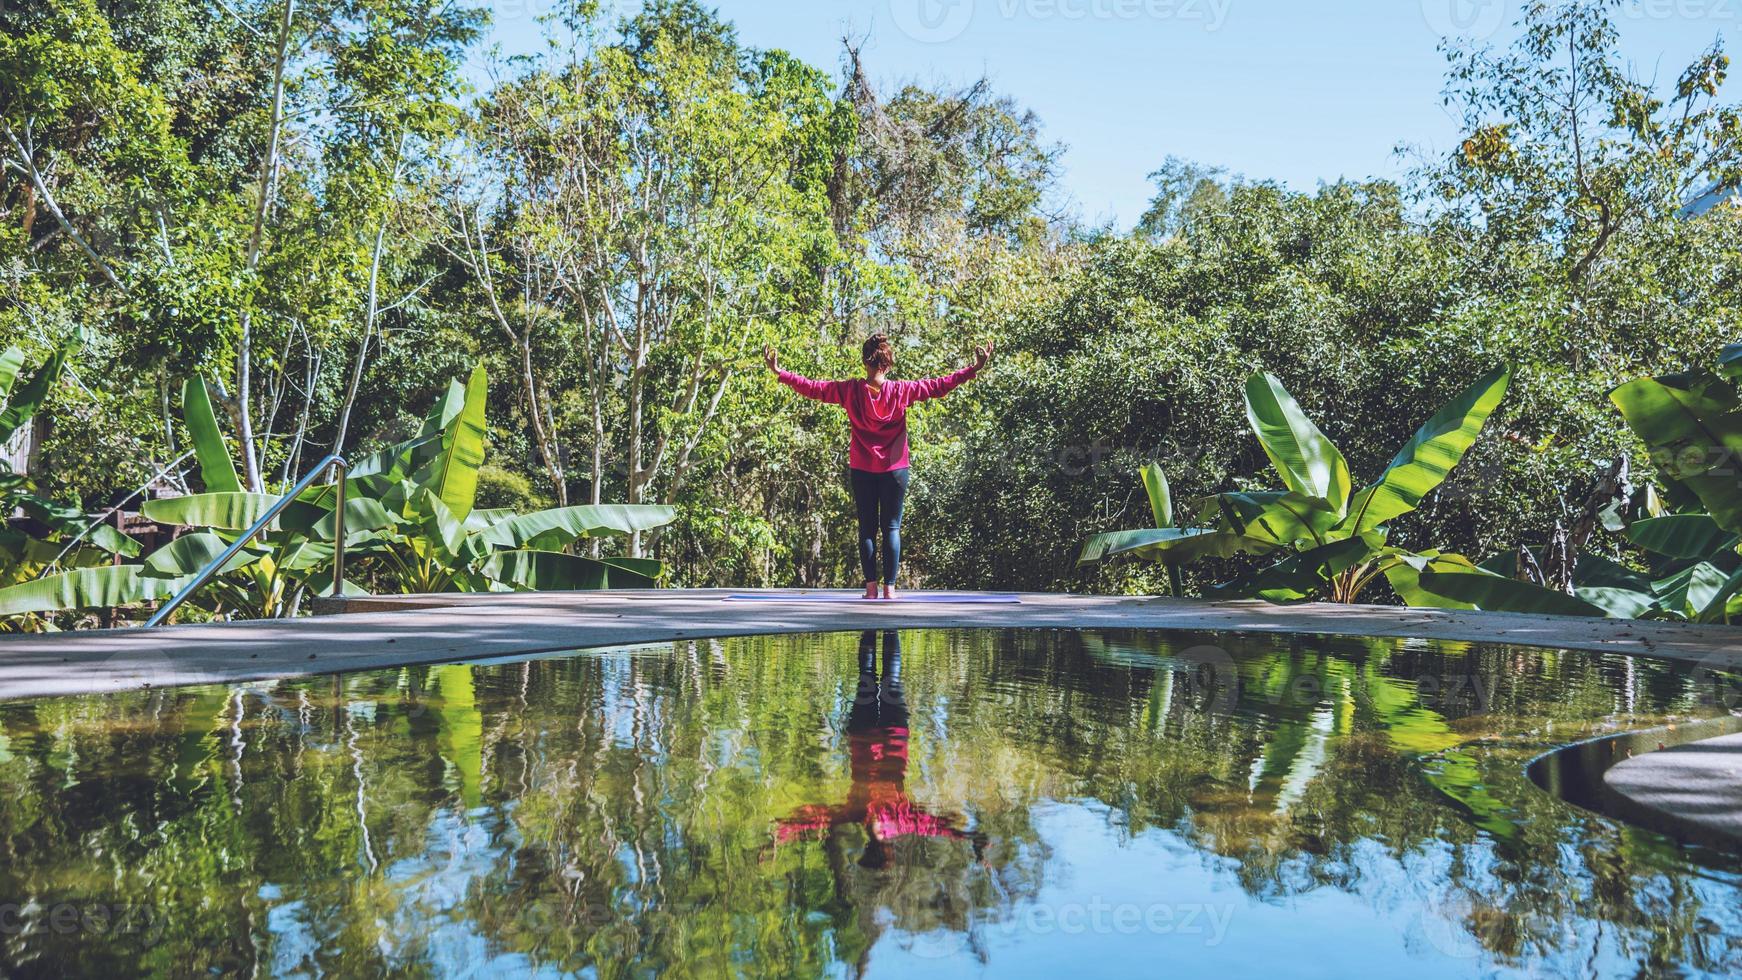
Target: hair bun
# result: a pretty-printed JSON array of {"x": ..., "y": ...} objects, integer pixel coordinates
[{"x": 877, "y": 353}]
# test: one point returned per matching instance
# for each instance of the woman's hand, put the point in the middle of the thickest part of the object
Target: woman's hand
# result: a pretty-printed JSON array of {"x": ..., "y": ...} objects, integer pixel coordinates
[
  {"x": 770, "y": 358},
  {"x": 982, "y": 355}
]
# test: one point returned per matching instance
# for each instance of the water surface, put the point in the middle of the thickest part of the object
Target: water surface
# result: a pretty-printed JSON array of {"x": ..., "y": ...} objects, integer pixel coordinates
[{"x": 894, "y": 804}]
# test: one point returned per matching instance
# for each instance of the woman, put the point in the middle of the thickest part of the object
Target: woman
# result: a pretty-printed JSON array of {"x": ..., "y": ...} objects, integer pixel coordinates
[{"x": 877, "y": 409}]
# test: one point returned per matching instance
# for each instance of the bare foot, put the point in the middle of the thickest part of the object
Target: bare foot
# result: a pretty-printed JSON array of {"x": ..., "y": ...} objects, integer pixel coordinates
[
  {"x": 870, "y": 590},
  {"x": 889, "y": 592}
]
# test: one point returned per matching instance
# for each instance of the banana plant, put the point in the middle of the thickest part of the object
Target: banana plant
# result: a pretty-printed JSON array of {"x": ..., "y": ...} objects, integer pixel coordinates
[
  {"x": 411, "y": 525},
  {"x": 51, "y": 535},
  {"x": 1332, "y": 538},
  {"x": 1691, "y": 424},
  {"x": 1689, "y": 536},
  {"x": 1150, "y": 543},
  {"x": 426, "y": 533}
]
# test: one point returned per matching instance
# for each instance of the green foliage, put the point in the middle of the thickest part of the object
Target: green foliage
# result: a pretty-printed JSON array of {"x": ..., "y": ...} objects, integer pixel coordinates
[
  {"x": 217, "y": 469},
  {"x": 51, "y": 536},
  {"x": 1307, "y": 462},
  {"x": 1332, "y": 548},
  {"x": 409, "y": 232},
  {"x": 500, "y": 488},
  {"x": 453, "y": 473},
  {"x": 411, "y": 525}
]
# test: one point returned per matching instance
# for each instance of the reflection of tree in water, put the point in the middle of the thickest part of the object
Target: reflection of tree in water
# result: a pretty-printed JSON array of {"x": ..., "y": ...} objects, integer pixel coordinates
[
  {"x": 615, "y": 811},
  {"x": 1371, "y": 816}
]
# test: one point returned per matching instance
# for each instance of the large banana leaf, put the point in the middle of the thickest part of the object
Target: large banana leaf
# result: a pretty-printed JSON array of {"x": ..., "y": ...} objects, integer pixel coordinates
[
  {"x": 564, "y": 524},
  {"x": 24, "y": 403},
  {"x": 190, "y": 553},
  {"x": 16, "y": 547},
  {"x": 305, "y": 555},
  {"x": 87, "y": 588},
  {"x": 1160, "y": 496},
  {"x": 482, "y": 519},
  {"x": 1161, "y": 509},
  {"x": 453, "y": 474},
  {"x": 1307, "y": 461},
  {"x": 1495, "y": 593},
  {"x": 1730, "y": 361},
  {"x": 1595, "y": 571},
  {"x": 396, "y": 461},
  {"x": 439, "y": 527},
  {"x": 1403, "y": 570},
  {"x": 61, "y": 517},
  {"x": 11, "y": 362},
  {"x": 1692, "y": 591},
  {"x": 651, "y": 568},
  {"x": 545, "y": 571},
  {"x": 321, "y": 583},
  {"x": 1717, "y": 608},
  {"x": 1302, "y": 575},
  {"x": 1692, "y": 424},
  {"x": 230, "y": 511},
  {"x": 373, "y": 475},
  {"x": 217, "y": 469},
  {"x": 446, "y": 409},
  {"x": 113, "y": 541},
  {"x": 1182, "y": 544},
  {"x": 361, "y": 514},
  {"x": 1427, "y": 458},
  {"x": 1681, "y": 535},
  {"x": 1617, "y": 602},
  {"x": 1276, "y": 517}
]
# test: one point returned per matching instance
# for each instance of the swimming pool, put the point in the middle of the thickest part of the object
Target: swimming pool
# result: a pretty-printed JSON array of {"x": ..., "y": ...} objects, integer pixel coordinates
[{"x": 926, "y": 802}]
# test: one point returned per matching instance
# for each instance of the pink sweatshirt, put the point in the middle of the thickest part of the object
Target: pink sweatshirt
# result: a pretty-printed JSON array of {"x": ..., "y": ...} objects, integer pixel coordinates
[{"x": 879, "y": 420}]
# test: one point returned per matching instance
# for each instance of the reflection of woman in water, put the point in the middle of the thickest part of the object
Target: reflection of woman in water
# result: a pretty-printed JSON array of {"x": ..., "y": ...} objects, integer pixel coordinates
[{"x": 877, "y": 753}]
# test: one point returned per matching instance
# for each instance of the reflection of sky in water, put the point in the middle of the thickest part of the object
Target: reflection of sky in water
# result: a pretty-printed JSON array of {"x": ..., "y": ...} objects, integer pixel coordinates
[
  {"x": 1155, "y": 896},
  {"x": 1047, "y": 803}
]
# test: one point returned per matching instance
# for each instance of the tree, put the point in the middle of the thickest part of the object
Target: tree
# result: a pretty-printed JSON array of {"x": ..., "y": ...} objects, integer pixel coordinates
[
  {"x": 1566, "y": 148},
  {"x": 642, "y": 219}
]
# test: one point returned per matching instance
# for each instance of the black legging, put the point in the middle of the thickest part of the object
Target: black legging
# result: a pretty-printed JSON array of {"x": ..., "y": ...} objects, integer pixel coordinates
[{"x": 878, "y": 498}]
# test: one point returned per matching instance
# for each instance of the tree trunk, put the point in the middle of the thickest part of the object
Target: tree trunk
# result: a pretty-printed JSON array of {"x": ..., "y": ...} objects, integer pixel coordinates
[
  {"x": 268, "y": 176},
  {"x": 372, "y": 309}
]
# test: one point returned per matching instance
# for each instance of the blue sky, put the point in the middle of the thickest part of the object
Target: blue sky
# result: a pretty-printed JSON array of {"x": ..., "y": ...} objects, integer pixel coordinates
[{"x": 1300, "y": 91}]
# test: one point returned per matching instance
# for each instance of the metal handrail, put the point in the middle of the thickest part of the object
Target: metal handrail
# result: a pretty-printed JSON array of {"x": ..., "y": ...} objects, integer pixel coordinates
[{"x": 340, "y": 468}]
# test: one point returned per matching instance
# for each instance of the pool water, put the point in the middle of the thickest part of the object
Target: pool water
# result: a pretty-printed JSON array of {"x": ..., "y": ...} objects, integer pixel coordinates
[{"x": 1026, "y": 803}]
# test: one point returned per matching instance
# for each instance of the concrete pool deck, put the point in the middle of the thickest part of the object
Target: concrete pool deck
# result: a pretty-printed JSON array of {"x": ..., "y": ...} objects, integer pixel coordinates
[
  {"x": 1692, "y": 791},
  {"x": 1699, "y": 786},
  {"x": 392, "y": 631}
]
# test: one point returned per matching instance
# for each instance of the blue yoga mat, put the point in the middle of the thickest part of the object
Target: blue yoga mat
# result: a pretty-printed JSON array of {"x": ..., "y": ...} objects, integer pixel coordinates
[{"x": 981, "y": 598}]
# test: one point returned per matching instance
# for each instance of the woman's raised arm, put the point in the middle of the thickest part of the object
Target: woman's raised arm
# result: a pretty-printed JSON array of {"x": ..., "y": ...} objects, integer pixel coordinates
[
  {"x": 930, "y": 388},
  {"x": 822, "y": 391}
]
